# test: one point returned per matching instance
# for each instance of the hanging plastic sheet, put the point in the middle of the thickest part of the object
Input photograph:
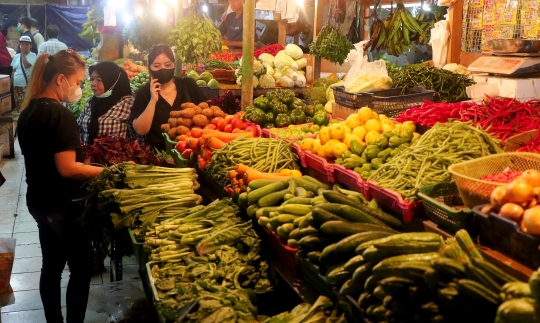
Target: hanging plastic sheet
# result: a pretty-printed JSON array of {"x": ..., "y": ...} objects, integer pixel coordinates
[{"x": 69, "y": 20}]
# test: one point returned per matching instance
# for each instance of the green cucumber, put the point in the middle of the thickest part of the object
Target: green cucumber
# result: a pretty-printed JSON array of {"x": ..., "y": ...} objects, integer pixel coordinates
[
  {"x": 327, "y": 253},
  {"x": 302, "y": 192},
  {"x": 255, "y": 195},
  {"x": 265, "y": 211},
  {"x": 300, "y": 182},
  {"x": 411, "y": 270},
  {"x": 353, "y": 193},
  {"x": 263, "y": 221},
  {"x": 322, "y": 216},
  {"x": 316, "y": 182},
  {"x": 371, "y": 283},
  {"x": 299, "y": 200},
  {"x": 419, "y": 257},
  {"x": 300, "y": 219},
  {"x": 374, "y": 255},
  {"x": 288, "y": 196},
  {"x": 300, "y": 233},
  {"x": 354, "y": 263},
  {"x": 330, "y": 207},
  {"x": 338, "y": 276},
  {"x": 349, "y": 244},
  {"x": 314, "y": 256},
  {"x": 251, "y": 210},
  {"x": 321, "y": 191},
  {"x": 292, "y": 243},
  {"x": 258, "y": 183},
  {"x": 304, "y": 222},
  {"x": 344, "y": 228},
  {"x": 292, "y": 186},
  {"x": 315, "y": 242},
  {"x": 242, "y": 200},
  {"x": 356, "y": 215},
  {"x": 318, "y": 200},
  {"x": 349, "y": 288},
  {"x": 380, "y": 215},
  {"x": 362, "y": 273},
  {"x": 297, "y": 209},
  {"x": 407, "y": 247},
  {"x": 272, "y": 199},
  {"x": 414, "y": 236}
]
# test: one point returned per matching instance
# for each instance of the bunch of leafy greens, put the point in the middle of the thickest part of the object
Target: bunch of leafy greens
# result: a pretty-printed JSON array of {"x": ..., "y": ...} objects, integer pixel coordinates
[
  {"x": 146, "y": 30},
  {"x": 195, "y": 36},
  {"x": 78, "y": 106}
]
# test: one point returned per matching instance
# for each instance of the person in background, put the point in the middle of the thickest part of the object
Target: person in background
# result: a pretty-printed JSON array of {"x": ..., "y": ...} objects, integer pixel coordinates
[
  {"x": 22, "y": 69},
  {"x": 108, "y": 110},
  {"x": 52, "y": 45},
  {"x": 5, "y": 57},
  {"x": 163, "y": 94},
  {"x": 38, "y": 38},
  {"x": 49, "y": 140},
  {"x": 233, "y": 26},
  {"x": 23, "y": 27}
]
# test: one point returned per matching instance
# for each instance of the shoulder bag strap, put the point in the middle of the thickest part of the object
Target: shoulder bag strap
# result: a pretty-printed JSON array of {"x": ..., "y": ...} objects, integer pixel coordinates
[{"x": 22, "y": 67}]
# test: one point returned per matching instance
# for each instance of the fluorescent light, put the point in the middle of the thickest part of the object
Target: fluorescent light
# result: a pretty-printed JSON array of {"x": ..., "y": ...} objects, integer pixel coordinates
[
  {"x": 300, "y": 3},
  {"x": 426, "y": 7},
  {"x": 139, "y": 11},
  {"x": 205, "y": 8},
  {"x": 160, "y": 9},
  {"x": 126, "y": 17}
]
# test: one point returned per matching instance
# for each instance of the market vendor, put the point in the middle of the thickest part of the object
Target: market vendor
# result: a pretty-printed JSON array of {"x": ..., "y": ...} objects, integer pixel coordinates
[
  {"x": 163, "y": 94},
  {"x": 108, "y": 110},
  {"x": 233, "y": 26}
]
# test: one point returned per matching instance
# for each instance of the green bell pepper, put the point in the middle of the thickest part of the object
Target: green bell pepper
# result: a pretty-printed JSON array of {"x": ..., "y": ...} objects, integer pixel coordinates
[
  {"x": 298, "y": 116},
  {"x": 382, "y": 142},
  {"x": 384, "y": 154},
  {"x": 282, "y": 120},
  {"x": 372, "y": 151},
  {"x": 262, "y": 103},
  {"x": 319, "y": 107},
  {"x": 297, "y": 104},
  {"x": 270, "y": 95},
  {"x": 309, "y": 110},
  {"x": 269, "y": 116},
  {"x": 269, "y": 125},
  {"x": 376, "y": 163},
  {"x": 305, "y": 128},
  {"x": 309, "y": 119},
  {"x": 394, "y": 142},
  {"x": 278, "y": 107},
  {"x": 367, "y": 167},
  {"x": 406, "y": 135},
  {"x": 314, "y": 128},
  {"x": 286, "y": 96},
  {"x": 321, "y": 118},
  {"x": 256, "y": 116}
]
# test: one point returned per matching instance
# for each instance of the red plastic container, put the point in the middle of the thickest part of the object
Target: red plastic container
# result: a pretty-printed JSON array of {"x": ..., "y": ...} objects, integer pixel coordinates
[
  {"x": 392, "y": 202},
  {"x": 267, "y": 134},
  {"x": 352, "y": 179},
  {"x": 295, "y": 148},
  {"x": 319, "y": 168},
  {"x": 284, "y": 253}
]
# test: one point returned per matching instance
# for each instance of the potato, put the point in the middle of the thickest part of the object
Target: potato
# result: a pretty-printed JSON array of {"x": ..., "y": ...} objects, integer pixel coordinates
[
  {"x": 172, "y": 133},
  {"x": 191, "y": 105},
  {"x": 184, "y": 105},
  {"x": 203, "y": 105},
  {"x": 184, "y": 122},
  {"x": 187, "y": 113},
  {"x": 172, "y": 122},
  {"x": 182, "y": 130},
  {"x": 175, "y": 114},
  {"x": 215, "y": 107},
  {"x": 165, "y": 127},
  {"x": 200, "y": 120},
  {"x": 208, "y": 113},
  {"x": 197, "y": 110},
  {"x": 220, "y": 114}
]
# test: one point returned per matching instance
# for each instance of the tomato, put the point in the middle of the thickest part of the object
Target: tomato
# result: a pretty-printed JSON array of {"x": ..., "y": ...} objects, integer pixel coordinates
[
  {"x": 252, "y": 129},
  {"x": 202, "y": 163},
  {"x": 211, "y": 126},
  {"x": 181, "y": 146},
  {"x": 229, "y": 118},
  {"x": 221, "y": 125},
  {"x": 215, "y": 121},
  {"x": 186, "y": 154},
  {"x": 236, "y": 130},
  {"x": 183, "y": 137},
  {"x": 228, "y": 128},
  {"x": 240, "y": 113},
  {"x": 237, "y": 123}
]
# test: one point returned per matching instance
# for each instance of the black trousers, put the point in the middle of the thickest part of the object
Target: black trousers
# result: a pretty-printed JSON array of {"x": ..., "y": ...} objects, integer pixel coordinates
[{"x": 62, "y": 241}]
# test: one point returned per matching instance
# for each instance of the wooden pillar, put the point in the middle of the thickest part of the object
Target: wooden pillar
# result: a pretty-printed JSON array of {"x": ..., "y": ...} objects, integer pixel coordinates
[
  {"x": 455, "y": 25},
  {"x": 282, "y": 28},
  {"x": 110, "y": 47},
  {"x": 248, "y": 47},
  {"x": 317, "y": 24},
  {"x": 178, "y": 14}
]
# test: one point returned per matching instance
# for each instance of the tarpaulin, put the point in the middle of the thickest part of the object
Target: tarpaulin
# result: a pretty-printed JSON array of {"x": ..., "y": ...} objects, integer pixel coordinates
[
  {"x": 69, "y": 20},
  {"x": 10, "y": 14}
]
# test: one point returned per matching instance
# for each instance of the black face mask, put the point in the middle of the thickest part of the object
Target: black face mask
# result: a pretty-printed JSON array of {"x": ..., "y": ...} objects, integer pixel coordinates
[{"x": 163, "y": 75}]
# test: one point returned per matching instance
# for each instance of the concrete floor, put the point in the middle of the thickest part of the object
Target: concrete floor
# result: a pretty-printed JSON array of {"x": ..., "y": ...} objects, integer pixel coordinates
[{"x": 16, "y": 222}]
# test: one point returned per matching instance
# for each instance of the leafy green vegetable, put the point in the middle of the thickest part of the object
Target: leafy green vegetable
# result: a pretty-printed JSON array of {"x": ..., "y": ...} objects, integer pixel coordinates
[{"x": 146, "y": 31}]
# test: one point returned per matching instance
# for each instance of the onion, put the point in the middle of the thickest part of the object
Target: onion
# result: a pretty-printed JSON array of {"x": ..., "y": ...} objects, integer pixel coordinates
[
  {"x": 532, "y": 177},
  {"x": 497, "y": 197},
  {"x": 531, "y": 220},
  {"x": 511, "y": 211},
  {"x": 531, "y": 203},
  {"x": 487, "y": 208},
  {"x": 519, "y": 191}
]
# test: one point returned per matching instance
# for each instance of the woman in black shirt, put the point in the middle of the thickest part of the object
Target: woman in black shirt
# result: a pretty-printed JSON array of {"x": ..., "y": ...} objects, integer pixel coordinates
[
  {"x": 50, "y": 142},
  {"x": 163, "y": 94}
]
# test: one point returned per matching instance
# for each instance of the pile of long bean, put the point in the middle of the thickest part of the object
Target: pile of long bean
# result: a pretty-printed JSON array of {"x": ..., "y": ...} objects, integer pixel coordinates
[
  {"x": 448, "y": 87},
  {"x": 426, "y": 162},
  {"x": 266, "y": 155}
]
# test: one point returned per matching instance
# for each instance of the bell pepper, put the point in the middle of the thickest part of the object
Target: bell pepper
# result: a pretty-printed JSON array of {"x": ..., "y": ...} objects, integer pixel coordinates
[
  {"x": 376, "y": 163},
  {"x": 382, "y": 142},
  {"x": 319, "y": 107},
  {"x": 394, "y": 142},
  {"x": 309, "y": 110},
  {"x": 314, "y": 128},
  {"x": 297, "y": 104},
  {"x": 372, "y": 151},
  {"x": 268, "y": 125},
  {"x": 282, "y": 120},
  {"x": 278, "y": 107},
  {"x": 384, "y": 154},
  {"x": 320, "y": 118},
  {"x": 298, "y": 116},
  {"x": 270, "y": 95},
  {"x": 269, "y": 116},
  {"x": 309, "y": 119},
  {"x": 262, "y": 103},
  {"x": 286, "y": 96},
  {"x": 256, "y": 116},
  {"x": 406, "y": 135}
]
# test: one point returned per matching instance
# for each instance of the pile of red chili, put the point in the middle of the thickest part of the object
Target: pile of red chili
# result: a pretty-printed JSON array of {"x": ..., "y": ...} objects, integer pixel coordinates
[
  {"x": 532, "y": 146},
  {"x": 505, "y": 176},
  {"x": 502, "y": 117},
  {"x": 224, "y": 56},
  {"x": 272, "y": 49}
]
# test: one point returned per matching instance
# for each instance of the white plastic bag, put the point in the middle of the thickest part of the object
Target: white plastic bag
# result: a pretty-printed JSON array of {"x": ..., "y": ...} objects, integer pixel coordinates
[
  {"x": 439, "y": 42},
  {"x": 7, "y": 256},
  {"x": 109, "y": 16},
  {"x": 364, "y": 75}
]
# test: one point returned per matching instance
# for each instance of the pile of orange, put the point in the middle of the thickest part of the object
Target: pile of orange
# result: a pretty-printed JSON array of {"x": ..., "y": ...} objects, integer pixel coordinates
[{"x": 133, "y": 69}]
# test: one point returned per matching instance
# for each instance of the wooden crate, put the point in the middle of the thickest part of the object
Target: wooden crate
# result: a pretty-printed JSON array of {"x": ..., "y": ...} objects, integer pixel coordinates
[{"x": 339, "y": 111}]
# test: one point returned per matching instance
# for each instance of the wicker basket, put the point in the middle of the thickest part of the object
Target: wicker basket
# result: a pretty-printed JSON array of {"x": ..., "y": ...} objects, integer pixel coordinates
[{"x": 475, "y": 191}]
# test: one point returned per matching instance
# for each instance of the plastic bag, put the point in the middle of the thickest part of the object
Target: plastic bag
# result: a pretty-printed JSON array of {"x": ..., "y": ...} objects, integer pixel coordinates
[
  {"x": 439, "y": 42},
  {"x": 364, "y": 75},
  {"x": 7, "y": 255},
  {"x": 109, "y": 16}
]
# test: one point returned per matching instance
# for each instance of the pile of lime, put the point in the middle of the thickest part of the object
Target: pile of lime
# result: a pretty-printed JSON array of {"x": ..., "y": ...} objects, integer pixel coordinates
[
  {"x": 299, "y": 131},
  {"x": 138, "y": 81}
]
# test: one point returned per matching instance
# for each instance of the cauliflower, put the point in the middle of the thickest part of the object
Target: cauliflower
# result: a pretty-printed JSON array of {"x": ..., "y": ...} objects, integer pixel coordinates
[
  {"x": 266, "y": 81},
  {"x": 258, "y": 68},
  {"x": 290, "y": 74},
  {"x": 294, "y": 51},
  {"x": 277, "y": 76},
  {"x": 302, "y": 62},
  {"x": 300, "y": 81},
  {"x": 283, "y": 61},
  {"x": 269, "y": 69},
  {"x": 286, "y": 82},
  {"x": 255, "y": 81},
  {"x": 267, "y": 58}
]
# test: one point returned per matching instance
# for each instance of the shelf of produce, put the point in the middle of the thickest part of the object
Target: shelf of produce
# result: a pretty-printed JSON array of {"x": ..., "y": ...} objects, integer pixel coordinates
[
  {"x": 393, "y": 203},
  {"x": 351, "y": 179},
  {"x": 237, "y": 90},
  {"x": 319, "y": 168},
  {"x": 210, "y": 188}
]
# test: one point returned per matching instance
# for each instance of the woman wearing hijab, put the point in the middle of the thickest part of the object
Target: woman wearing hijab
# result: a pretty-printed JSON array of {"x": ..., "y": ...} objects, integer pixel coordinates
[{"x": 108, "y": 110}]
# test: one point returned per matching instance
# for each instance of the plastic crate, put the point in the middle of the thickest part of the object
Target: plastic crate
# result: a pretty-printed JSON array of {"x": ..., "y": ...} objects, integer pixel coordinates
[
  {"x": 178, "y": 160},
  {"x": 209, "y": 93},
  {"x": 295, "y": 148},
  {"x": 169, "y": 144},
  {"x": 141, "y": 254},
  {"x": 392, "y": 102},
  {"x": 285, "y": 254},
  {"x": 505, "y": 236},
  {"x": 443, "y": 214},
  {"x": 319, "y": 167},
  {"x": 467, "y": 174},
  {"x": 351, "y": 179},
  {"x": 352, "y": 100},
  {"x": 314, "y": 279},
  {"x": 393, "y": 203},
  {"x": 222, "y": 75}
]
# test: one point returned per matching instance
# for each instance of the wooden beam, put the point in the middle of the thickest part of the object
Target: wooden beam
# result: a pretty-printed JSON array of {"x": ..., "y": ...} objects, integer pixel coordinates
[
  {"x": 248, "y": 47},
  {"x": 455, "y": 25}
]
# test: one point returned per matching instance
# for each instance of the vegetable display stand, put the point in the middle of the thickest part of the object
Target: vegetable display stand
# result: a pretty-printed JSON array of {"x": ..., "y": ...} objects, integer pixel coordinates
[
  {"x": 284, "y": 254},
  {"x": 178, "y": 160},
  {"x": 442, "y": 212},
  {"x": 504, "y": 235},
  {"x": 351, "y": 179},
  {"x": 319, "y": 168},
  {"x": 351, "y": 100},
  {"x": 393, "y": 203},
  {"x": 392, "y": 102},
  {"x": 467, "y": 174},
  {"x": 223, "y": 75}
]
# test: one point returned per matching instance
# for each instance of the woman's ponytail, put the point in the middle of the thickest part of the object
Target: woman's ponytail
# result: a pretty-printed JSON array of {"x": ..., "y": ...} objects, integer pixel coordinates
[{"x": 36, "y": 85}]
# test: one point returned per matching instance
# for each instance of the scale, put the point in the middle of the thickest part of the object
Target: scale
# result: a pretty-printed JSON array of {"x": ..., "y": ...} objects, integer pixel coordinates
[{"x": 508, "y": 64}]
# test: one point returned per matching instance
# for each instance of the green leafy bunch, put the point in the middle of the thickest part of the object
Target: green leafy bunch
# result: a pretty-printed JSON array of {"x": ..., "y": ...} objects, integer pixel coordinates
[
  {"x": 146, "y": 31},
  {"x": 331, "y": 44},
  {"x": 196, "y": 37}
]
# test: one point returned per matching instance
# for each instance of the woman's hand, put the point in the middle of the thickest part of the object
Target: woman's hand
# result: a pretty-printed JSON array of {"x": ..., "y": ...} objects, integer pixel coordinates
[{"x": 155, "y": 88}]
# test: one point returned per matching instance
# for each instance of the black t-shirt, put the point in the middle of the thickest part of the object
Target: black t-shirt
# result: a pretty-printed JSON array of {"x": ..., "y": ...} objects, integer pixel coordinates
[
  {"x": 187, "y": 91},
  {"x": 45, "y": 128},
  {"x": 34, "y": 48}
]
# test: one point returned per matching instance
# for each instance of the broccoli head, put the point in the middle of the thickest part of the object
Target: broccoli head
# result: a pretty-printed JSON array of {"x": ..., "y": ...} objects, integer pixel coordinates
[{"x": 317, "y": 95}]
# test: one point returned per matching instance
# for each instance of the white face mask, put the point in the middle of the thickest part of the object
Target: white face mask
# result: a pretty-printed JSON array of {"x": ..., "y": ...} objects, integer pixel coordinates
[
  {"x": 74, "y": 94},
  {"x": 108, "y": 93}
]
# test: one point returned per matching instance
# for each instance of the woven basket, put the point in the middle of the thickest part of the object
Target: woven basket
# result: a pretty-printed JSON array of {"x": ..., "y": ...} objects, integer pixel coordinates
[{"x": 475, "y": 191}]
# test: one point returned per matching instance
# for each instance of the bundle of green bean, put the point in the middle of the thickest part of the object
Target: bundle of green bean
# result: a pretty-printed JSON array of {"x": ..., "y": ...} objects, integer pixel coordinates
[
  {"x": 215, "y": 64},
  {"x": 266, "y": 155},
  {"x": 426, "y": 161}
]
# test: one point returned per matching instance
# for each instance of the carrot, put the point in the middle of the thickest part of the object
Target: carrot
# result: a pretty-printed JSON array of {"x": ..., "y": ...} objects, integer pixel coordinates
[
  {"x": 196, "y": 133},
  {"x": 232, "y": 174},
  {"x": 253, "y": 175},
  {"x": 241, "y": 168},
  {"x": 226, "y": 137},
  {"x": 214, "y": 143},
  {"x": 208, "y": 131}
]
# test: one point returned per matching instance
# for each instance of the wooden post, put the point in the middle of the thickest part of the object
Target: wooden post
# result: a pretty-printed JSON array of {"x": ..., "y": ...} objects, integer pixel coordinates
[
  {"x": 455, "y": 24},
  {"x": 178, "y": 13},
  {"x": 317, "y": 24},
  {"x": 282, "y": 28},
  {"x": 248, "y": 46}
]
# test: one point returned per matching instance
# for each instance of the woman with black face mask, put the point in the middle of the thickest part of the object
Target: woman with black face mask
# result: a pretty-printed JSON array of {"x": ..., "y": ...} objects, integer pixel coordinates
[{"x": 163, "y": 94}]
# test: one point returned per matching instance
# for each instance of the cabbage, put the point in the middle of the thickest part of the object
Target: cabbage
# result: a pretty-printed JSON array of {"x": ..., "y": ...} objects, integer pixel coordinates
[
  {"x": 290, "y": 74},
  {"x": 300, "y": 81},
  {"x": 302, "y": 62},
  {"x": 519, "y": 310},
  {"x": 367, "y": 82},
  {"x": 255, "y": 81},
  {"x": 266, "y": 81},
  {"x": 269, "y": 69},
  {"x": 267, "y": 58},
  {"x": 294, "y": 51},
  {"x": 286, "y": 82},
  {"x": 283, "y": 61}
]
